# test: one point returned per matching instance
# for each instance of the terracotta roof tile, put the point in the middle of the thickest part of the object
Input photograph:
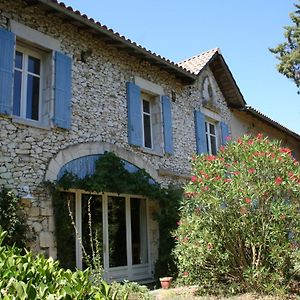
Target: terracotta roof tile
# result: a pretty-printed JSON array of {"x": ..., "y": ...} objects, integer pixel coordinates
[{"x": 196, "y": 63}]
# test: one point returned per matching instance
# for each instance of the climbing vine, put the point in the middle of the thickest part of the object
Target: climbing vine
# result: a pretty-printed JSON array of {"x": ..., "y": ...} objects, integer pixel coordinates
[{"x": 111, "y": 176}]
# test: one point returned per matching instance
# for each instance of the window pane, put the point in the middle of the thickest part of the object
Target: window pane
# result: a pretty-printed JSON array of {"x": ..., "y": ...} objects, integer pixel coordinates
[
  {"x": 66, "y": 250},
  {"x": 212, "y": 129},
  {"x": 147, "y": 132},
  {"x": 95, "y": 219},
  {"x": 19, "y": 60},
  {"x": 146, "y": 106},
  {"x": 213, "y": 145},
  {"x": 17, "y": 93},
  {"x": 207, "y": 143},
  {"x": 33, "y": 65},
  {"x": 139, "y": 231},
  {"x": 33, "y": 93},
  {"x": 205, "y": 127},
  {"x": 117, "y": 232}
]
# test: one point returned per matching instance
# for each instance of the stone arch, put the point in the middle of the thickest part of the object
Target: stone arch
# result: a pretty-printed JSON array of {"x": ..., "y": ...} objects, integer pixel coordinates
[{"x": 84, "y": 149}]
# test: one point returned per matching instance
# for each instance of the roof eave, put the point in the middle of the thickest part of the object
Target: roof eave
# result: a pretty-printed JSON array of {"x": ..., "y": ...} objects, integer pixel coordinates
[
  {"x": 255, "y": 113},
  {"x": 232, "y": 93},
  {"x": 119, "y": 41}
]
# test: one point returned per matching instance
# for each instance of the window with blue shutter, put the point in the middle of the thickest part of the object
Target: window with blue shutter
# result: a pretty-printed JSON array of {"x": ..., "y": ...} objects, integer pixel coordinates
[
  {"x": 201, "y": 144},
  {"x": 63, "y": 88},
  {"x": 134, "y": 110},
  {"x": 7, "y": 45},
  {"x": 167, "y": 124},
  {"x": 224, "y": 132}
]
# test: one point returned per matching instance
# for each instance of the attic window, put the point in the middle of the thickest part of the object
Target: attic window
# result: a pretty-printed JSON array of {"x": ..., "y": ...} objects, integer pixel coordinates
[{"x": 207, "y": 91}]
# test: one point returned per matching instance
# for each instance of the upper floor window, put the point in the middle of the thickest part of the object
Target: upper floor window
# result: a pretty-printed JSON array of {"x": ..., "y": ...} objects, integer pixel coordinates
[
  {"x": 36, "y": 78},
  {"x": 211, "y": 137},
  {"x": 149, "y": 117},
  {"x": 27, "y": 84},
  {"x": 210, "y": 133}
]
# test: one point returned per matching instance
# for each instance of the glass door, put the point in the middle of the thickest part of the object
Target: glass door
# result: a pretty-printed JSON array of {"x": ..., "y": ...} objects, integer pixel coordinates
[
  {"x": 92, "y": 228},
  {"x": 116, "y": 228},
  {"x": 117, "y": 237}
]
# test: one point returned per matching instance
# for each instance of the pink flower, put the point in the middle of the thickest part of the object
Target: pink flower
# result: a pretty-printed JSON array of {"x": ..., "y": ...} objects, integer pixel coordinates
[
  {"x": 194, "y": 178},
  {"x": 222, "y": 148},
  {"x": 205, "y": 188},
  {"x": 284, "y": 150},
  {"x": 185, "y": 274},
  {"x": 251, "y": 170},
  {"x": 278, "y": 180},
  {"x": 259, "y": 136},
  {"x": 248, "y": 200},
  {"x": 250, "y": 142},
  {"x": 210, "y": 157},
  {"x": 228, "y": 138}
]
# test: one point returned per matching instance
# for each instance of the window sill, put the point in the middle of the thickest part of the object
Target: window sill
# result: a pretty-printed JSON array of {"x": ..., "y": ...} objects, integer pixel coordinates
[
  {"x": 30, "y": 123},
  {"x": 151, "y": 151}
]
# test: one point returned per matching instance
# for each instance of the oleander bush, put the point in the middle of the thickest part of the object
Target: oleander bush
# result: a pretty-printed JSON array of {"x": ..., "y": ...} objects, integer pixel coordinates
[
  {"x": 240, "y": 219},
  {"x": 37, "y": 278}
]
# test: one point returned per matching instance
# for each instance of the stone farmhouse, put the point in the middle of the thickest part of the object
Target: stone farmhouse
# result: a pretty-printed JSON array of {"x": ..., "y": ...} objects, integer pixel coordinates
[{"x": 72, "y": 89}]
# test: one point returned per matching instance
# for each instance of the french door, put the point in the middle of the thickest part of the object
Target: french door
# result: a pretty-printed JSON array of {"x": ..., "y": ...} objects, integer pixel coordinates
[{"x": 119, "y": 223}]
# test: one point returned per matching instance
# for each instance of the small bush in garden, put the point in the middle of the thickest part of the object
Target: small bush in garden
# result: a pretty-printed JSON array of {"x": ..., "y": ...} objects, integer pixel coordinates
[
  {"x": 11, "y": 219},
  {"x": 132, "y": 290},
  {"x": 240, "y": 219},
  {"x": 37, "y": 278}
]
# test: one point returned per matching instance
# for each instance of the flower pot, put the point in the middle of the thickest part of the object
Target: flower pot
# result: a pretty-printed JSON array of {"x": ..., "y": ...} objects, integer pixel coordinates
[{"x": 165, "y": 282}]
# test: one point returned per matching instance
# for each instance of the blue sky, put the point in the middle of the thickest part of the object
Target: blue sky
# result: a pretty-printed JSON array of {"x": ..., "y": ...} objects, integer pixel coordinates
[{"x": 243, "y": 30}]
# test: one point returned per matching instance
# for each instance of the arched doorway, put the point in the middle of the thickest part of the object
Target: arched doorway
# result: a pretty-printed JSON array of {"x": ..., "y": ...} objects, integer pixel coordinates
[{"x": 120, "y": 222}]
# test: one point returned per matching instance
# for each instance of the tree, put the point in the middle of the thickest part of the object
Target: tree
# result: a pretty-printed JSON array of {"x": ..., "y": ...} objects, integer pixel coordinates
[{"x": 288, "y": 53}]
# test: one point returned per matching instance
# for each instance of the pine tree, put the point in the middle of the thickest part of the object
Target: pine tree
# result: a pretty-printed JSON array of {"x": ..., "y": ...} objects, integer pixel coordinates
[{"x": 288, "y": 53}]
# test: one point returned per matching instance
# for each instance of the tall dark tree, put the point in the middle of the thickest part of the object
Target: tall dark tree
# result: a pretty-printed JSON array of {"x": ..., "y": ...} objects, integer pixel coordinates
[{"x": 288, "y": 53}]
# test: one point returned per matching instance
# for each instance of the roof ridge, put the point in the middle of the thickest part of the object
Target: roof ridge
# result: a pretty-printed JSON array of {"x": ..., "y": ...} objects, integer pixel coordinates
[{"x": 216, "y": 49}]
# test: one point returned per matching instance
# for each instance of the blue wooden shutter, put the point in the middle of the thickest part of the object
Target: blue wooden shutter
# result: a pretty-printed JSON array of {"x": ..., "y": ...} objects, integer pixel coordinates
[
  {"x": 63, "y": 88},
  {"x": 134, "y": 110},
  {"x": 224, "y": 132},
  {"x": 167, "y": 121},
  {"x": 7, "y": 47},
  {"x": 201, "y": 143}
]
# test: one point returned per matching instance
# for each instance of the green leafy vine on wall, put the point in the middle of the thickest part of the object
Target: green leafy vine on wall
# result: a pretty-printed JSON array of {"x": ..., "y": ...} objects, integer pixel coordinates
[{"x": 111, "y": 176}]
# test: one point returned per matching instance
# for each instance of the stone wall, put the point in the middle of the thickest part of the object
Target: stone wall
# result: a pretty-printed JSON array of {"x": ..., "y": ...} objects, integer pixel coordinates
[{"x": 99, "y": 115}]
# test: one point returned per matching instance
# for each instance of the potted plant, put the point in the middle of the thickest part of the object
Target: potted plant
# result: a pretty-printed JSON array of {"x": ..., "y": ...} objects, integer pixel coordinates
[{"x": 165, "y": 282}]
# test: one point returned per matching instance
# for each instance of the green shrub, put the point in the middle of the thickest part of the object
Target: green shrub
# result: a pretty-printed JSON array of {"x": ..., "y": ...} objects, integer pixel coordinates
[
  {"x": 240, "y": 222},
  {"x": 37, "y": 278},
  {"x": 11, "y": 218},
  {"x": 132, "y": 290}
]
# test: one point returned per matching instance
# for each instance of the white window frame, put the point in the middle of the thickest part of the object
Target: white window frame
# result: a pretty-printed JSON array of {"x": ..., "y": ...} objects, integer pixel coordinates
[
  {"x": 147, "y": 98},
  {"x": 154, "y": 92},
  {"x": 208, "y": 135},
  {"x": 45, "y": 45},
  {"x": 131, "y": 271},
  {"x": 26, "y": 52}
]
